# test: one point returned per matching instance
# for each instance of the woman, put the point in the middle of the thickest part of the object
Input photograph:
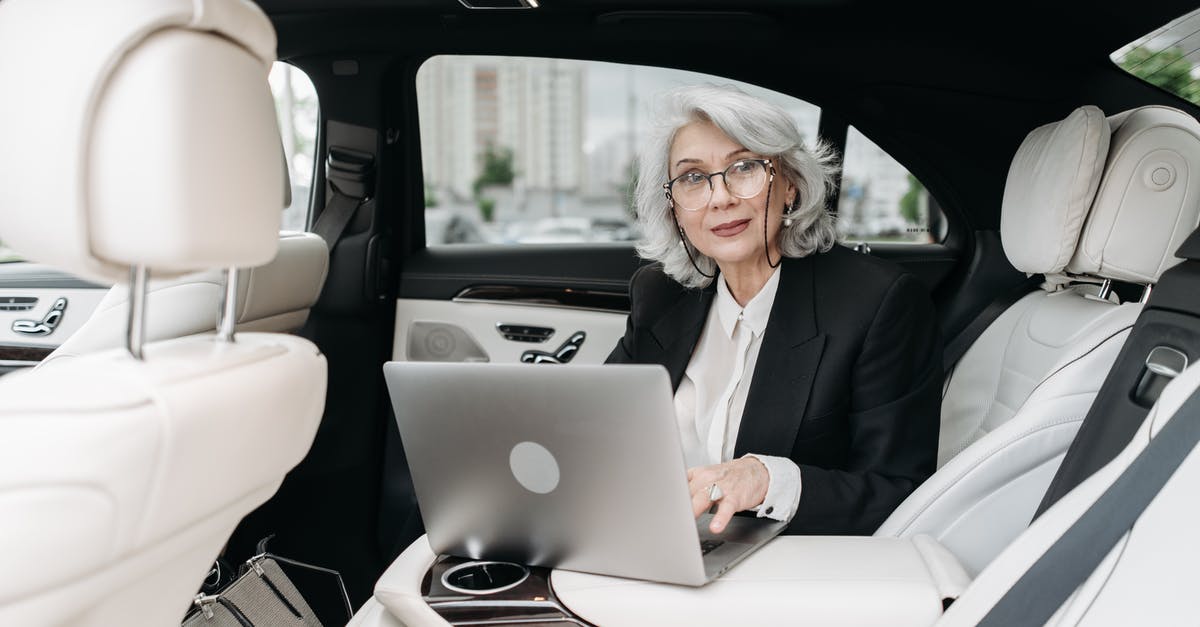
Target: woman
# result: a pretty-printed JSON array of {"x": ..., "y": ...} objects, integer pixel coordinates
[{"x": 807, "y": 376}]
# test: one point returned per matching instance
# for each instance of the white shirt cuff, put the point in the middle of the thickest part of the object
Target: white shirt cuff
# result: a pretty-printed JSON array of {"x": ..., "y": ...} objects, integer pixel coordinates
[{"x": 783, "y": 488}]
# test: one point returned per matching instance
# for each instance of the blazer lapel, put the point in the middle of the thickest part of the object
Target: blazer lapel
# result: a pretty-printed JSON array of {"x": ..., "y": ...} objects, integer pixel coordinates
[
  {"x": 678, "y": 331},
  {"x": 787, "y": 363}
]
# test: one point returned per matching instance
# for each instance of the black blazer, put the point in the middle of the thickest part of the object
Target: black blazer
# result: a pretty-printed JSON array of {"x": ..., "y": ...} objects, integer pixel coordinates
[{"x": 847, "y": 383}]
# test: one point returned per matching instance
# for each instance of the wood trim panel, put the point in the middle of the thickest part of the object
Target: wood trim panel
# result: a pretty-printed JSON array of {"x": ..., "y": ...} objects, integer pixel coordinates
[{"x": 24, "y": 353}]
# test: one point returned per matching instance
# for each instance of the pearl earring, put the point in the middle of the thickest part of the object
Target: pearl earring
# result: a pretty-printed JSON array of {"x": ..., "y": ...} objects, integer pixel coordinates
[{"x": 787, "y": 220}]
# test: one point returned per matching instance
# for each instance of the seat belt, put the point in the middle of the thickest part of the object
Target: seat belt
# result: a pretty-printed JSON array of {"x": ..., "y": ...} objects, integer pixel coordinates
[
  {"x": 351, "y": 176},
  {"x": 965, "y": 338},
  {"x": 1038, "y": 594}
]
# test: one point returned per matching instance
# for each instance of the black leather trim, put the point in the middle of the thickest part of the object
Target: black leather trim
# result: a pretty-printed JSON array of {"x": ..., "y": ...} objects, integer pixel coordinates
[
  {"x": 1190, "y": 249},
  {"x": 443, "y": 272},
  {"x": 615, "y": 300}
]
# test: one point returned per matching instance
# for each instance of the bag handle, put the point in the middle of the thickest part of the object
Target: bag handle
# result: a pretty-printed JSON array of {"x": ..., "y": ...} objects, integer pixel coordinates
[{"x": 262, "y": 553}]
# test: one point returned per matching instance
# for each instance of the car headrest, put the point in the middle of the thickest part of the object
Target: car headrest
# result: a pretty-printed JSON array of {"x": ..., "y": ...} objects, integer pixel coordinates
[
  {"x": 1051, "y": 183},
  {"x": 140, "y": 132},
  {"x": 1149, "y": 197}
]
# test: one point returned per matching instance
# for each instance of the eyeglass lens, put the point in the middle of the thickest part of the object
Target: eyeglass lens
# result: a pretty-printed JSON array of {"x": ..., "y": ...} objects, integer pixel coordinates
[{"x": 743, "y": 179}]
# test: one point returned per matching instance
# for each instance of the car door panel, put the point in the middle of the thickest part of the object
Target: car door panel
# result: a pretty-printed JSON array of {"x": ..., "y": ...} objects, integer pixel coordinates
[
  {"x": 470, "y": 291},
  {"x": 39, "y": 309},
  {"x": 453, "y": 300},
  {"x": 436, "y": 330},
  {"x": 930, "y": 263}
]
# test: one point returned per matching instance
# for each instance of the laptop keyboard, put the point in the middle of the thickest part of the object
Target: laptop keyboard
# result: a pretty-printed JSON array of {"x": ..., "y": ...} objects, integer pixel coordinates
[{"x": 707, "y": 546}]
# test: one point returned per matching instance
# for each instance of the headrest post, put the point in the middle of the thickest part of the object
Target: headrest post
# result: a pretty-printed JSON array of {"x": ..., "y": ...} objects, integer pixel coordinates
[
  {"x": 135, "y": 335},
  {"x": 1146, "y": 293},
  {"x": 227, "y": 319},
  {"x": 1105, "y": 289}
]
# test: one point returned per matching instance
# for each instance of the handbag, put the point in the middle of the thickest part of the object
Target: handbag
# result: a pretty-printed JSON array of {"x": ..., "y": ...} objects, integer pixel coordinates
[{"x": 262, "y": 596}]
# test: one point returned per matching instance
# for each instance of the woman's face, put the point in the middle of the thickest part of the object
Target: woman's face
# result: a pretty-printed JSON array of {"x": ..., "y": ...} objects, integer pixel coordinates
[{"x": 727, "y": 228}]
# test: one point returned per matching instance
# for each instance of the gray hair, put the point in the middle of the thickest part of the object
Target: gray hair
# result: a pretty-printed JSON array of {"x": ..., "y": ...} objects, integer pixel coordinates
[{"x": 758, "y": 126}]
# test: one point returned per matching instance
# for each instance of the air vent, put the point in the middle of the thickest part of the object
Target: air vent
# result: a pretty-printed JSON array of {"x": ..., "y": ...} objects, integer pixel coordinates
[{"x": 500, "y": 4}]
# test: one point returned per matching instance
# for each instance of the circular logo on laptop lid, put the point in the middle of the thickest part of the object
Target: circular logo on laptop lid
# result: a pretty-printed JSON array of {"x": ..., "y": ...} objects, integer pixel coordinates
[{"x": 534, "y": 467}]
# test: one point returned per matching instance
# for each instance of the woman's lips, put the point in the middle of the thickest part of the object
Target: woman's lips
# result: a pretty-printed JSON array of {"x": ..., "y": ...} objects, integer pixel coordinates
[{"x": 729, "y": 229}]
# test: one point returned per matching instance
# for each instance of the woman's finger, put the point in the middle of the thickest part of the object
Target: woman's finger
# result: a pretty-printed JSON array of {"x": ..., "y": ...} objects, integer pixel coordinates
[
  {"x": 725, "y": 511},
  {"x": 700, "y": 501}
]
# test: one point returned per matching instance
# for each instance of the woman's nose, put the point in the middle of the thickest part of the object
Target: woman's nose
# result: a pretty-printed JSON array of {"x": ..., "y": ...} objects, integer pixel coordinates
[{"x": 720, "y": 193}]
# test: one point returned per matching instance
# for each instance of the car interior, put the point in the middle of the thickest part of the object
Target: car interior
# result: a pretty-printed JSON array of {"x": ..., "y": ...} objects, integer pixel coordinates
[{"x": 184, "y": 376}]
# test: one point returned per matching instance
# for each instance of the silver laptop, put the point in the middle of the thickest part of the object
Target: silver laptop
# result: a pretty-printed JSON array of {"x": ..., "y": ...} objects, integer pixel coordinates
[{"x": 573, "y": 467}]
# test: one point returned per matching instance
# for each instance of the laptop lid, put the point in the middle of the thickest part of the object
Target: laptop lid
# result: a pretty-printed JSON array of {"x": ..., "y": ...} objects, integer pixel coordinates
[{"x": 577, "y": 467}]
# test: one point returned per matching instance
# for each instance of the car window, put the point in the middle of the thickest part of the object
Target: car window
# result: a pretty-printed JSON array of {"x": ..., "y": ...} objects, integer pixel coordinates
[
  {"x": 1168, "y": 57},
  {"x": 881, "y": 201},
  {"x": 527, "y": 150},
  {"x": 296, "y": 107}
]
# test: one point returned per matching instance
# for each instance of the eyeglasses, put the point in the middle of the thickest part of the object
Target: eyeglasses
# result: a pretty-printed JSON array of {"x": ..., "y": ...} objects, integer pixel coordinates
[{"x": 744, "y": 178}]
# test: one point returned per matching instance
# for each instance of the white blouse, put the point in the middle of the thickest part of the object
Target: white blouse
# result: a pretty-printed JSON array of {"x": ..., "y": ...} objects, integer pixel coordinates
[{"x": 711, "y": 396}]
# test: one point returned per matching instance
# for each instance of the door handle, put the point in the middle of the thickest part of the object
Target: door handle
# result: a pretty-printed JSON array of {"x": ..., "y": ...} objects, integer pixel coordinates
[
  {"x": 564, "y": 354},
  {"x": 46, "y": 325}
]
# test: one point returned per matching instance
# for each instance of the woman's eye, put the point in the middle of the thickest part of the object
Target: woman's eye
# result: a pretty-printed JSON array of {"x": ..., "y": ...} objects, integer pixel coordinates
[
  {"x": 692, "y": 178},
  {"x": 742, "y": 167}
]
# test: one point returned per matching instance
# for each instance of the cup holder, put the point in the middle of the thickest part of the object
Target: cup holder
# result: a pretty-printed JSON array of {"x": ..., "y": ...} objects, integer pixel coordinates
[{"x": 484, "y": 577}]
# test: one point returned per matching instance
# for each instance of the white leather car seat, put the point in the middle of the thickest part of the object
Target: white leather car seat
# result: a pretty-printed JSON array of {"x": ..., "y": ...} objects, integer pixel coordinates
[
  {"x": 274, "y": 298},
  {"x": 1077, "y": 206},
  {"x": 1147, "y": 578},
  {"x": 144, "y": 137}
]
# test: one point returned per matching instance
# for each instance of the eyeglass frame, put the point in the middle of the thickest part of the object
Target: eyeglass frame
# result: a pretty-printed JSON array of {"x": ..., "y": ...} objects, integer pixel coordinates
[{"x": 709, "y": 177}]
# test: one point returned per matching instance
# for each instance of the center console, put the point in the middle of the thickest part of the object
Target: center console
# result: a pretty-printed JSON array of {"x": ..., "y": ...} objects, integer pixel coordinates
[{"x": 823, "y": 580}]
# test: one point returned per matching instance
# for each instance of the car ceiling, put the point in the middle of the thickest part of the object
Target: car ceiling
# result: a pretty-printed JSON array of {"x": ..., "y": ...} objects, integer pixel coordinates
[
  {"x": 1079, "y": 31},
  {"x": 950, "y": 91}
]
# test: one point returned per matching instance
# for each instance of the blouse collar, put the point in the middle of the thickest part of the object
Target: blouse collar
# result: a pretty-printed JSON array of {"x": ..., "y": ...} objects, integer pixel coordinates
[{"x": 755, "y": 314}]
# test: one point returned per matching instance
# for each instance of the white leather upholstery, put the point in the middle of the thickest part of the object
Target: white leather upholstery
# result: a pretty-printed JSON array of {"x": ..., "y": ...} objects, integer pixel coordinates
[
  {"x": 109, "y": 97},
  {"x": 818, "y": 580},
  {"x": 271, "y": 298},
  {"x": 1050, "y": 187},
  {"x": 1017, "y": 397},
  {"x": 1148, "y": 578},
  {"x": 120, "y": 479},
  {"x": 1012, "y": 408},
  {"x": 1147, "y": 204},
  {"x": 145, "y": 134},
  {"x": 399, "y": 588},
  {"x": 1029, "y": 343},
  {"x": 374, "y": 614}
]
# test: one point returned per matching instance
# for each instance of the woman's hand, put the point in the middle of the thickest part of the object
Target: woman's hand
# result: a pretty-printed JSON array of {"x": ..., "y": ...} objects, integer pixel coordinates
[{"x": 743, "y": 484}]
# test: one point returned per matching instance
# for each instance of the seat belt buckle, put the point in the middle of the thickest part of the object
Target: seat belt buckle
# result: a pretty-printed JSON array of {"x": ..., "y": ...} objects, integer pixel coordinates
[
  {"x": 350, "y": 172},
  {"x": 1163, "y": 364}
]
